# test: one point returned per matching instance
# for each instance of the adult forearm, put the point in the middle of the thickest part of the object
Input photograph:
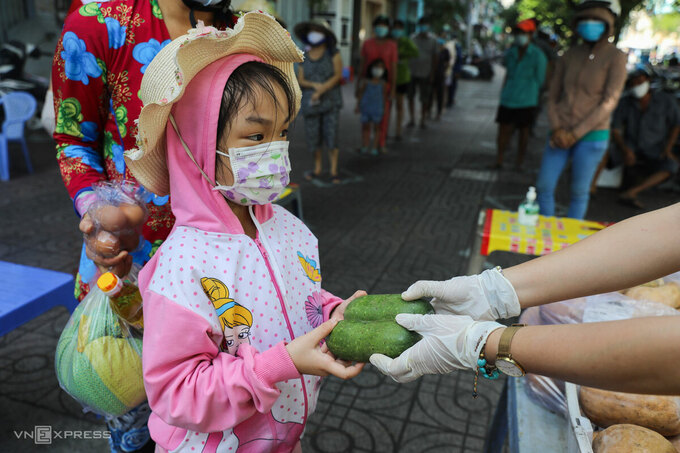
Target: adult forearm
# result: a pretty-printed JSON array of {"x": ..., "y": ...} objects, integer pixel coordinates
[
  {"x": 618, "y": 139},
  {"x": 672, "y": 139},
  {"x": 636, "y": 355},
  {"x": 330, "y": 83},
  {"x": 635, "y": 251}
]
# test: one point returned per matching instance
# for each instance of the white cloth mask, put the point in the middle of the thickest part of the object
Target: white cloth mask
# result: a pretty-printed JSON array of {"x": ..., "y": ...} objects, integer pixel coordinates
[
  {"x": 315, "y": 37},
  {"x": 261, "y": 173},
  {"x": 639, "y": 91},
  {"x": 377, "y": 72}
]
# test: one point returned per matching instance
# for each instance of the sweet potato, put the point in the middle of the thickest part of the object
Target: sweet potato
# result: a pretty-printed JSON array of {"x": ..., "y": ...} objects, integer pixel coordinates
[
  {"x": 668, "y": 294},
  {"x": 631, "y": 438},
  {"x": 605, "y": 408}
]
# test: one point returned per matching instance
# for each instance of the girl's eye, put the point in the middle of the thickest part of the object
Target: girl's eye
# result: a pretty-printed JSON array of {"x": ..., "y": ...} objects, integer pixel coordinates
[
  {"x": 230, "y": 342},
  {"x": 256, "y": 137},
  {"x": 284, "y": 133}
]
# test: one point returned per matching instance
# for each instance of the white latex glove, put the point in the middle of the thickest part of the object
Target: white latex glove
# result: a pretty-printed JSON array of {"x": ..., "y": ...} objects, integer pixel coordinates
[
  {"x": 449, "y": 342},
  {"x": 487, "y": 296}
]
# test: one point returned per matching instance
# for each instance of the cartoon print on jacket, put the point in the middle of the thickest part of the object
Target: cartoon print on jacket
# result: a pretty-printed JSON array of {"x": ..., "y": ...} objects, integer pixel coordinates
[
  {"x": 236, "y": 322},
  {"x": 310, "y": 268},
  {"x": 235, "y": 319}
]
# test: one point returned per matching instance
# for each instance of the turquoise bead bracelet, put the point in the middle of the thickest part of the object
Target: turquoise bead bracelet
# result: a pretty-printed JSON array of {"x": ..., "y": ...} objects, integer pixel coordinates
[{"x": 488, "y": 372}]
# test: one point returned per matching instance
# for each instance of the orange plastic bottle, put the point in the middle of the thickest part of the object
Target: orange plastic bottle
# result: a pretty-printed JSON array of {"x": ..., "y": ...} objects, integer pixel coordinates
[{"x": 125, "y": 298}]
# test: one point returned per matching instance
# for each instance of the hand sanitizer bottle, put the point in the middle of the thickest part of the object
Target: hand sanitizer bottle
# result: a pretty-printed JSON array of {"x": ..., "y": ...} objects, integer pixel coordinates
[{"x": 528, "y": 210}]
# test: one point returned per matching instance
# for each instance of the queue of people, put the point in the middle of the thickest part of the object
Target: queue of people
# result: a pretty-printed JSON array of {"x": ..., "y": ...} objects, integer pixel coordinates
[{"x": 593, "y": 123}]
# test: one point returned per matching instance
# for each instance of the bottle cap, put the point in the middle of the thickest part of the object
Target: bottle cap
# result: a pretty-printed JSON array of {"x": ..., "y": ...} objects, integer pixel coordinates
[
  {"x": 108, "y": 282},
  {"x": 531, "y": 195}
]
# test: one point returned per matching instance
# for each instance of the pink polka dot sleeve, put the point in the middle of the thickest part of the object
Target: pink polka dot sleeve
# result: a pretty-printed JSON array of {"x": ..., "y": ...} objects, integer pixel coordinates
[{"x": 329, "y": 302}]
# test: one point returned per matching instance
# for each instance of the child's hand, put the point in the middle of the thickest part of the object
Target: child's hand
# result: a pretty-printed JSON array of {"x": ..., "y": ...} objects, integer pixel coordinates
[
  {"x": 339, "y": 311},
  {"x": 356, "y": 109},
  {"x": 311, "y": 358}
]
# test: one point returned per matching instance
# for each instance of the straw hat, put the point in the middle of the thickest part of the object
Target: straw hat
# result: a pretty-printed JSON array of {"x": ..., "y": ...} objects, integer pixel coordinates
[
  {"x": 322, "y": 26},
  {"x": 173, "y": 68}
]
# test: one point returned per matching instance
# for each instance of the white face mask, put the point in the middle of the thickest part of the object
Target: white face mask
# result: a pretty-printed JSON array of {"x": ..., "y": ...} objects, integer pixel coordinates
[
  {"x": 261, "y": 173},
  {"x": 315, "y": 37},
  {"x": 377, "y": 72},
  {"x": 639, "y": 91}
]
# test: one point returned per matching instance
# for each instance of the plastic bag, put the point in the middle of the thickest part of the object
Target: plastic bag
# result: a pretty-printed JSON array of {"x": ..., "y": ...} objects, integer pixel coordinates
[
  {"x": 601, "y": 307},
  {"x": 118, "y": 215},
  {"x": 613, "y": 306},
  {"x": 545, "y": 391},
  {"x": 98, "y": 359}
]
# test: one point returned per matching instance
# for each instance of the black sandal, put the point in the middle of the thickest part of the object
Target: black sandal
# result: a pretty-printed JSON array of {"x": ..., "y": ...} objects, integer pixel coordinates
[{"x": 310, "y": 175}]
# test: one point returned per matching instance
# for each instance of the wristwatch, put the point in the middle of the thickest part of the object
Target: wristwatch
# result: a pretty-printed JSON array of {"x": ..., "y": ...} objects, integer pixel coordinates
[{"x": 504, "y": 361}]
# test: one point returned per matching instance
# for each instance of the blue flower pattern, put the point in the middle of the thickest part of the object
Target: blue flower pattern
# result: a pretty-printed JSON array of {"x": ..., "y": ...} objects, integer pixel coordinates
[
  {"x": 118, "y": 159},
  {"x": 155, "y": 199},
  {"x": 89, "y": 156},
  {"x": 116, "y": 32},
  {"x": 79, "y": 64},
  {"x": 144, "y": 52},
  {"x": 89, "y": 131}
]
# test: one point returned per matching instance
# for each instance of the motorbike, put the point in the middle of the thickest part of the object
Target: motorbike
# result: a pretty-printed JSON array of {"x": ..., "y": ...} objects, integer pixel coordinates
[{"x": 13, "y": 77}]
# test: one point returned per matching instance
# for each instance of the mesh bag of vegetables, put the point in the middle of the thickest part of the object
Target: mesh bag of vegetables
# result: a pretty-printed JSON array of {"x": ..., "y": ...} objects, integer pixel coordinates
[{"x": 99, "y": 358}]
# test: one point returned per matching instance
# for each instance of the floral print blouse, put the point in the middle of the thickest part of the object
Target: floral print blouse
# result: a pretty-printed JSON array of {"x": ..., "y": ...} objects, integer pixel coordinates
[{"x": 96, "y": 76}]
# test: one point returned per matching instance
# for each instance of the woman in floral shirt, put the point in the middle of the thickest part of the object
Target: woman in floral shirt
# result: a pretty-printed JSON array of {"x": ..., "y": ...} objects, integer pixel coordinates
[{"x": 96, "y": 75}]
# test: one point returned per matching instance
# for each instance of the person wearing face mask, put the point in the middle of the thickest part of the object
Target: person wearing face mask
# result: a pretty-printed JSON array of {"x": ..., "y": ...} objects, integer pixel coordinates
[
  {"x": 380, "y": 47},
  {"x": 440, "y": 74},
  {"x": 233, "y": 303},
  {"x": 584, "y": 91},
  {"x": 372, "y": 93},
  {"x": 645, "y": 129},
  {"x": 525, "y": 73},
  {"x": 319, "y": 76},
  {"x": 423, "y": 70},
  {"x": 407, "y": 50},
  {"x": 103, "y": 53}
]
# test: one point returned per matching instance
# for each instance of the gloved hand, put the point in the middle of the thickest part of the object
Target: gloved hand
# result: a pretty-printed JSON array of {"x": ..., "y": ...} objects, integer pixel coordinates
[
  {"x": 449, "y": 342},
  {"x": 487, "y": 296}
]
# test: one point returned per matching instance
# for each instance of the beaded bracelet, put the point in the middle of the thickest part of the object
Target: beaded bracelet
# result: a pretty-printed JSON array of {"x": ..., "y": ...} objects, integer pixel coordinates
[{"x": 488, "y": 372}]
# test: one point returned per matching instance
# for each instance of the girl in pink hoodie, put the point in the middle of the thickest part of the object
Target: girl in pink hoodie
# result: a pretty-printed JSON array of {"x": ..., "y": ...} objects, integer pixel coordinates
[{"x": 233, "y": 306}]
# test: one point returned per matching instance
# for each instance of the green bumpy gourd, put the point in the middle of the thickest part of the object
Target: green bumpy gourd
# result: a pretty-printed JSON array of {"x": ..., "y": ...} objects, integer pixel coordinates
[{"x": 369, "y": 327}]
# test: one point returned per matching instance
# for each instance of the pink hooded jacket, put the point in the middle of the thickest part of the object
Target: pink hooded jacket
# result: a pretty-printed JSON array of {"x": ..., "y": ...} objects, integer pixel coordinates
[{"x": 219, "y": 306}]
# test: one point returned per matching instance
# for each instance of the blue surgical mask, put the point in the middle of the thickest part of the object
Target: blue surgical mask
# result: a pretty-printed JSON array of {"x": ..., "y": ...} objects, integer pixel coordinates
[
  {"x": 315, "y": 38},
  {"x": 397, "y": 33},
  {"x": 591, "y": 30},
  {"x": 381, "y": 30},
  {"x": 423, "y": 28},
  {"x": 521, "y": 40}
]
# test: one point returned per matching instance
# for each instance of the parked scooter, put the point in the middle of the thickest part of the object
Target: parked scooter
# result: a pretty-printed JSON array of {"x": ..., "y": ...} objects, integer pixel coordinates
[{"x": 13, "y": 77}]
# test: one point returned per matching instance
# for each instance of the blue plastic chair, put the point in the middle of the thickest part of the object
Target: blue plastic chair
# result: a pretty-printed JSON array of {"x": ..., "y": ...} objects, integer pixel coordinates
[{"x": 19, "y": 108}]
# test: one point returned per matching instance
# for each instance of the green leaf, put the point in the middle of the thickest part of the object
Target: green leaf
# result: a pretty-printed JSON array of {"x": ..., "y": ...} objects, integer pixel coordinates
[{"x": 69, "y": 118}]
